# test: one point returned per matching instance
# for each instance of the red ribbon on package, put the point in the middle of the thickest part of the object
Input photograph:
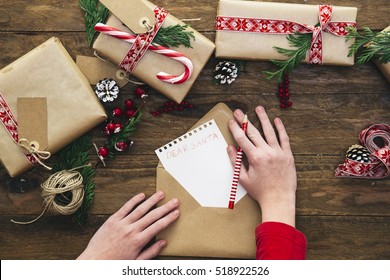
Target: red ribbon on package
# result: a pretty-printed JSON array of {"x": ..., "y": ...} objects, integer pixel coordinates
[
  {"x": 143, "y": 42},
  {"x": 379, "y": 161},
  {"x": 271, "y": 26},
  {"x": 10, "y": 124}
]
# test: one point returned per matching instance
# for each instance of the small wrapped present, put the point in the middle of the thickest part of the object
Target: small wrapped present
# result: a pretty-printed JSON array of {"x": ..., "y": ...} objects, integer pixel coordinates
[
  {"x": 384, "y": 67},
  {"x": 169, "y": 70},
  {"x": 250, "y": 30},
  {"x": 45, "y": 103}
]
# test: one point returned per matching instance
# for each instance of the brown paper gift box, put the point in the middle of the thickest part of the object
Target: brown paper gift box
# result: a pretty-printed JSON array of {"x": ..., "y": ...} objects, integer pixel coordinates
[
  {"x": 72, "y": 107},
  {"x": 384, "y": 67},
  {"x": 152, "y": 63},
  {"x": 206, "y": 231},
  {"x": 256, "y": 46}
]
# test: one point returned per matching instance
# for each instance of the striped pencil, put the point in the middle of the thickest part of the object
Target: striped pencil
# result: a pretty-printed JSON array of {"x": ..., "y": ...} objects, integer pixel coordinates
[{"x": 237, "y": 167}]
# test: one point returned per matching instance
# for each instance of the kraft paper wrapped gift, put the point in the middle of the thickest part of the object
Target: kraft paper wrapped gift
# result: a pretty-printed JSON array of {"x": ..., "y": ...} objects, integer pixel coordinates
[
  {"x": 260, "y": 46},
  {"x": 47, "y": 73},
  {"x": 384, "y": 67},
  {"x": 115, "y": 50},
  {"x": 208, "y": 231}
]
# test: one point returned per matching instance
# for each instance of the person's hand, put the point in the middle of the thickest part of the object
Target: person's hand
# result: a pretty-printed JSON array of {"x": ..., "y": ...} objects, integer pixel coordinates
[
  {"x": 270, "y": 178},
  {"x": 126, "y": 232}
]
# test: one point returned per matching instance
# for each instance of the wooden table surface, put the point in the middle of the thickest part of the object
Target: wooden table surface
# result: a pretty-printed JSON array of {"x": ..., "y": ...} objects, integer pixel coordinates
[{"x": 342, "y": 218}]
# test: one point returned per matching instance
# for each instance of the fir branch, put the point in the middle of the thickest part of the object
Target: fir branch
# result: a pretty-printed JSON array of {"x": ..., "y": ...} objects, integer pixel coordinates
[
  {"x": 94, "y": 12},
  {"x": 124, "y": 134},
  {"x": 174, "y": 36},
  {"x": 369, "y": 45},
  {"x": 302, "y": 43},
  {"x": 74, "y": 155}
]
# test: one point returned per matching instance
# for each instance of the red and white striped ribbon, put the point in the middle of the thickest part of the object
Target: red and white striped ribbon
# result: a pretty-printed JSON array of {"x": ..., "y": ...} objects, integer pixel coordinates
[
  {"x": 379, "y": 165},
  {"x": 143, "y": 42},
  {"x": 274, "y": 26},
  {"x": 7, "y": 118}
]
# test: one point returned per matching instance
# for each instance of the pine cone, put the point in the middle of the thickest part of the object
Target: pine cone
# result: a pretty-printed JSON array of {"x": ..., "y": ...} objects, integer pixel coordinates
[
  {"x": 107, "y": 90},
  {"x": 358, "y": 153},
  {"x": 226, "y": 72}
]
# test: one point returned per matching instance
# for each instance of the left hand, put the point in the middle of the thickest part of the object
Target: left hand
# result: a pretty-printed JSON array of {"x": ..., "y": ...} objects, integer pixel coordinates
[{"x": 126, "y": 232}]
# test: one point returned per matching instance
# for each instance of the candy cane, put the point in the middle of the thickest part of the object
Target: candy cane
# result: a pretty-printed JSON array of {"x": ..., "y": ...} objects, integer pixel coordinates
[{"x": 165, "y": 77}]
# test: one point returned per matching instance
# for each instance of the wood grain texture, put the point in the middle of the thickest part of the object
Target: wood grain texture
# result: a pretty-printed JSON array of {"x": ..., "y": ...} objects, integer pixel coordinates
[{"x": 342, "y": 218}]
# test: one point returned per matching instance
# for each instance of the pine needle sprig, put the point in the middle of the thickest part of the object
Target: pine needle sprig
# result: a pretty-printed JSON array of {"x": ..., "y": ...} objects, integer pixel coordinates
[
  {"x": 369, "y": 45},
  {"x": 171, "y": 36},
  {"x": 301, "y": 43},
  {"x": 174, "y": 36},
  {"x": 94, "y": 12},
  {"x": 125, "y": 133},
  {"x": 74, "y": 155}
]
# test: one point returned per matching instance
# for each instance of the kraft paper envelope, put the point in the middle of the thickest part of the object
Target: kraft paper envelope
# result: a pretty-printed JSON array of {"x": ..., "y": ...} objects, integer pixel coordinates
[{"x": 207, "y": 231}]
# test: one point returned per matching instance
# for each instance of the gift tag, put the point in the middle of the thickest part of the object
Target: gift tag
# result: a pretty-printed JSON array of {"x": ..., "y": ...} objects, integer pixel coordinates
[
  {"x": 135, "y": 14},
  {"x": 95, "y": 70},
  {"x": 32, "y": 120}
]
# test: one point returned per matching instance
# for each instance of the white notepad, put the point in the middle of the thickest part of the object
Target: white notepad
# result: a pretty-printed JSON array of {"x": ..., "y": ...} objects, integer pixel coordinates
[{"x": 198, "y": 160}]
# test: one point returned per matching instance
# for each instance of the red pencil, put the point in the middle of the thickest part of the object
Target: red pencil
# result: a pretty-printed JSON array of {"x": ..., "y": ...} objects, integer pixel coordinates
[{"x": 237, "y": 167}]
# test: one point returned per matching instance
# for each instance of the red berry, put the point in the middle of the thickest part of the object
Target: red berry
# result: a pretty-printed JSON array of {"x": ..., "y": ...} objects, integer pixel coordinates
[
  {"x": 139, "y": 91},
  {"x": 289, "y": 104},
  {"x": 121, "y": 146},
  {"x": 103, "y": 152},
  {"x": 130, "y": 113},
  {"x": 110, "y": 126},
  {"x": 118, "y": 127},
  {"x": 117, "y": 112},
  {"x": 283, "y": 105},
  {"x": 287, "y": 95},
  {"x": 129, "y": 103},
  {"x": 281, "y": 94}
]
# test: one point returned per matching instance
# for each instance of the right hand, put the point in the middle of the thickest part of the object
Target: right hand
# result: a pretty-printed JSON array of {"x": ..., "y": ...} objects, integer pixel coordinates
[{"x": 271, "y": 177}]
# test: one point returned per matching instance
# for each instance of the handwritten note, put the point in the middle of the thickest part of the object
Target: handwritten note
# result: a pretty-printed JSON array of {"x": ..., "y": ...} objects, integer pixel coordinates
[{"x": 199, "y": 162}]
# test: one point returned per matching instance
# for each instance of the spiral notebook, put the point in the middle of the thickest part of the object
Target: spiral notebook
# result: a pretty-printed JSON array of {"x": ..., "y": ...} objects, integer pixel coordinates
[{"x": 198, "y": 160}]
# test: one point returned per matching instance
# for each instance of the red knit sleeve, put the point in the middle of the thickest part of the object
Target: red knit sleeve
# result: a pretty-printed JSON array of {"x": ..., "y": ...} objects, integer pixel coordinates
[{"x": 279, "y": 241}]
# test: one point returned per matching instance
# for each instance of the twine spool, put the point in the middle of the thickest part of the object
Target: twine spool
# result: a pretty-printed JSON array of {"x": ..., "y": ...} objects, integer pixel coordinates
[{"x": 58, "y": 185}]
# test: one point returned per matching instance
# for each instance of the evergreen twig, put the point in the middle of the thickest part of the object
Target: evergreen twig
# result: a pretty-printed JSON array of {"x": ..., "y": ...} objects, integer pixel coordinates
[
  {"x": 301, "y": 43},
  {"x": 174, "y": 35},
  {"x": 94, "y": 12},
  {"x": 369, "y": 45},
  {"x": 75, "y": 155},
  {"x": 124, "y": 134}
]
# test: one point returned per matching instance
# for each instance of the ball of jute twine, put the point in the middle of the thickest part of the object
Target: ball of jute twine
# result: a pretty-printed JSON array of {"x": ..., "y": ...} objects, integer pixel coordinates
[{"x": 58, "y": 184}]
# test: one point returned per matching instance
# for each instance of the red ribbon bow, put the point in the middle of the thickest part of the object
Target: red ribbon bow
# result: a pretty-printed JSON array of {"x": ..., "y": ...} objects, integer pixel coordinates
[
  {"x": 225, "y": 23},
  {"x": 376, "y": 139}
]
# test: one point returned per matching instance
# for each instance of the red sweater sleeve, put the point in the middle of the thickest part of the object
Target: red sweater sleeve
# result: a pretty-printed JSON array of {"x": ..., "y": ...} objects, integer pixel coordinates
[{"x": 279, "y": 241}]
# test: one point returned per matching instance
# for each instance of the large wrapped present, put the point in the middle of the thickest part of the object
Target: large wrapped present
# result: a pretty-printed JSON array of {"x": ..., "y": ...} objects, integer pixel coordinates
[
  {"x": 250, "y": 30},
  {"x": 45, "y": 103},
  {"x": 169, "y": 70}
]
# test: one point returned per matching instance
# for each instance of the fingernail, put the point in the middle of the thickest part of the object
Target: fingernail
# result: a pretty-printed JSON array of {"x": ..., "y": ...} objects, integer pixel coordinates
[
  {"x": 175, "y": 201},
  {"x": 176, "y": 212},
  {"x": 162, "y": 243},
  {"x": 230, "y": 150},
  {"x": 160, "y": 194},
  {"x": 260, "y": 109}
]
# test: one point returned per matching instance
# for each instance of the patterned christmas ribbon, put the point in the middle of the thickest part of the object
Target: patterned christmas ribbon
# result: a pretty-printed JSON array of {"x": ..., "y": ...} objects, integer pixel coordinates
[
  {"x": 142, "y": 43},
  {"x": 379, "y": 165},
  {"x": 270, "y": 26},
  {"x": 10, "y": 124}
]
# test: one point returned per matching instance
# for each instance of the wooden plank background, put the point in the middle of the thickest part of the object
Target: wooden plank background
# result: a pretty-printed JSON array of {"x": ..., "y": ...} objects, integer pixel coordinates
[{"x": 342, "y": 218}]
